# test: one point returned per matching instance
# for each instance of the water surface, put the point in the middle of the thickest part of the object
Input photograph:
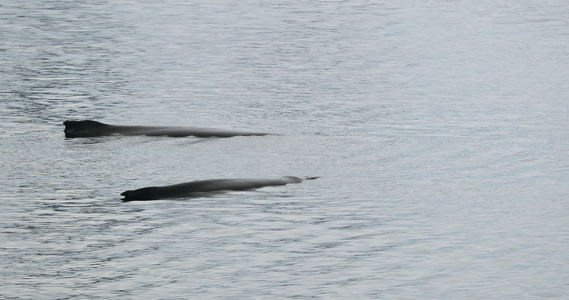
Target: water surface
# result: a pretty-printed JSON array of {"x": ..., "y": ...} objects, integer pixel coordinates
[{"x": 439, "y": 130}]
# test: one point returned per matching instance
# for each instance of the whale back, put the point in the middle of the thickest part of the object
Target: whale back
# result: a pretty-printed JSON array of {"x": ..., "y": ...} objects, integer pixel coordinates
[
  {"x": 204, "y": 187},
  {"x": 89, "y": 128}
]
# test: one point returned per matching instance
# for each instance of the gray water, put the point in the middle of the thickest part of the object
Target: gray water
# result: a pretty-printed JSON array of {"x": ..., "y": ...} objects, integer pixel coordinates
[{"x": 440, "y": 130}]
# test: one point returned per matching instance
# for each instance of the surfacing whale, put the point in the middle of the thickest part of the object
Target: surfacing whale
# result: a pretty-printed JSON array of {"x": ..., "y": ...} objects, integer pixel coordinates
[
  {"x": 205, "y": 187},
  {"x": 88, "y": 128}
]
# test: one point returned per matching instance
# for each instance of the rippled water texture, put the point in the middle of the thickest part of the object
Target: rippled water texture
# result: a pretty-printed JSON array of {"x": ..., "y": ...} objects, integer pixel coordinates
[{"x": 439, "y": 129}]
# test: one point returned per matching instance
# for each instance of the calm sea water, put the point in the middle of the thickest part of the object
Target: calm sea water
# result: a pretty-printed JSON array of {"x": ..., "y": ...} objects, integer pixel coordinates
[{"x": 440, "y": 130}]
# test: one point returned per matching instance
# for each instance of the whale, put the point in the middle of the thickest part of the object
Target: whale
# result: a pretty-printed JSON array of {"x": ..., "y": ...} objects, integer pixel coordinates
[
  {"x": 202, "y": 188},
  {"x": 89, "y": 128}
]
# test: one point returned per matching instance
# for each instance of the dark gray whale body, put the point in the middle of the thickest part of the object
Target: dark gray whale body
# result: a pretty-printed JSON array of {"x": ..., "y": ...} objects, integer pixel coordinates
[
  {"x": 204, "y": 187},
  {"x": 88, "y": 128}
]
